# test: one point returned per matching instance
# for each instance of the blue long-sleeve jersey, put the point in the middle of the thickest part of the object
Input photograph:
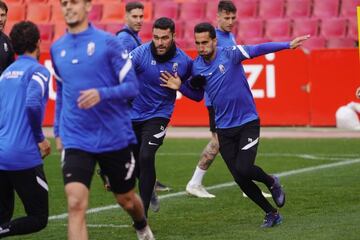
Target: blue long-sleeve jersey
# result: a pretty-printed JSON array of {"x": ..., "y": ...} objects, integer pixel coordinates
[
  {"x": 86, "y": 60},
  {"x": 23, "y": 96},
  {"x": 128, "y": 41},
  {"x": 155, "y": 100},
  {"x": 224, "y": 39},
  {"x": 231, "y": 97}
]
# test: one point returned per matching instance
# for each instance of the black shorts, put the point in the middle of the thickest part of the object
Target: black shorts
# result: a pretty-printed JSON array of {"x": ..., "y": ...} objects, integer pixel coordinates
[
  {"x": 118, "y": 166},
  {"x": 151, "y": 132},
  {"x": 31, "y": 186},
  {"x": 212, "y": 124}
]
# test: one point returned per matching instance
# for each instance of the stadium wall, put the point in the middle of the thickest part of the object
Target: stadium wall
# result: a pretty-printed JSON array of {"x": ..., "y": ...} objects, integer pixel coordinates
[{"x": 291, "y": 88}]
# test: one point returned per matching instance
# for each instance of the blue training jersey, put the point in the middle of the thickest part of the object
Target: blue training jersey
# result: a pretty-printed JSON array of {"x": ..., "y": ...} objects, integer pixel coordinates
[
  {"x": 128, "y": 40},
  {"x": 224, "y": 39},
  {"x": 86, "y": 60},
  {"x": 23, "y": 89},
  {"x": 231, "y": 97},
  {"x": 155, "y": 100}
]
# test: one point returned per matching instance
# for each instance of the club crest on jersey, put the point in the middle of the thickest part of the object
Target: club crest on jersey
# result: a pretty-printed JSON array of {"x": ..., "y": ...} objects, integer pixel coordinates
[
  {"x": 124, "y": 54},
  {"x": 63, "y": 53},
  {"x": 153, "y": 62},
  {"x": 221, "y": 68},
  {"x": 6, "y": 48},
  {"x": 175, "y": 67},
  {"x": 90, "y": 48}
]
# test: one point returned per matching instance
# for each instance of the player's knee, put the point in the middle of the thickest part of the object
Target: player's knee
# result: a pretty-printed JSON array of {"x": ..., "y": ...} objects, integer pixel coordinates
[
  {"x": 126, "y": 202},
  {"x": 42, "y": 221},
  {"x": 76, "y": 204}
]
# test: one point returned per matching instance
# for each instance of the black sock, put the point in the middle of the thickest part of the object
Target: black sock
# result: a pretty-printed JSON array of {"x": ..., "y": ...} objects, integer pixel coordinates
[{"x": 138, "y": 225}]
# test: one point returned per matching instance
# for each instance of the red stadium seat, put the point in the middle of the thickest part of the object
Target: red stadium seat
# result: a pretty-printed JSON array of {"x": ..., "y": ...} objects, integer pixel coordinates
[
  {"x": 46, "y": 32},
  {"x": 298, "y": 8},
  {"x": 348, "y": 8},
  {"x": 326, "y": 8},
  {"x": 250, "y": 29},
  {"x": 96, "y": 12},
  {"x": 304, "y": 26},
  {"x": 353, "y": 29},
  {"x": 333, "y": 27},
  {"x": 271, "y": 9},
  {"x": 16, "y": 12},
  {"x": 185, "y": 43},
  {"x": 57, "y": 14},
  {"x": 114, "y": 27},
  {"x": 341, "y": 43},
  {"x": 192, "y": 11},
  {"x": 252, "y": 41},
  {"x": 211, "y": 10},
  {"x": 38, "y": 13},
  {"x": 189, "y": 30},
  {"x": 59, "y": 30},
  {"x": 278, "y": 29},
  {"x": 247, "y": 8},
  {"x": 146, "y": 32},
  {"x": 180, "y": 29},
  {"x": 13, "y": 1},
  {"x": 113, "y": 12},
  {"x": 168, "y": 9},
  {"x": 36, "y": 1},
  {"x": 148, "y": 9},
  {"x": 314, "y": 43},
  {"x": 8, "y": 26},
  {"x": 100, "y": 25}
]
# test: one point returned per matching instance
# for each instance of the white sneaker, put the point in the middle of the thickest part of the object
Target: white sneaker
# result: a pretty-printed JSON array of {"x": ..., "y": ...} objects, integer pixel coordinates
[
  {"x": 145, "y": 234},
  {"x": 198, "y": 191},
  {"x": 267, "y": 195}
]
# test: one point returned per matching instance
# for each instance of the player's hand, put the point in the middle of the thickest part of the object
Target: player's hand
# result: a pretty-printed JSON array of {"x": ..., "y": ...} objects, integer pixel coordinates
[
  {"x": 59, "y": 145},
  {"x": 88, "y": 98},
  {"x": 45, "y": 148},
  {"x": 297, "y": 42},
  {"x": 358, "y": 92},
  {"x": 170, "y": 81}
]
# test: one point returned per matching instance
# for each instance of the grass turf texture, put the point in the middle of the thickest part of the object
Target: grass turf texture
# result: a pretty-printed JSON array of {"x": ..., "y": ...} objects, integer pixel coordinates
[{"x": 321, "y": 204}]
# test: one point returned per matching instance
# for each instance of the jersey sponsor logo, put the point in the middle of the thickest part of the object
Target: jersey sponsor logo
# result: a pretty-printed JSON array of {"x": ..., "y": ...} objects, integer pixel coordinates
[
  {"x": 63, "y": 53},
  {"x": 90, "y": 48},
  {"x": 175, "y": 67},
  {"x": 152, "y": 143},
  {"x": 222, "y": 68},
  {"x": 11, "y": 75}
]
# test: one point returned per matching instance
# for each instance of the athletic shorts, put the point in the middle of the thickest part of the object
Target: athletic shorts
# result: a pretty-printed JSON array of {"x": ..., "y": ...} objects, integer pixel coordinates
[
  {"x": 118, "y": 166},
  {"x": 151, "y": 132},
  {"x": 212, "y": 124}
]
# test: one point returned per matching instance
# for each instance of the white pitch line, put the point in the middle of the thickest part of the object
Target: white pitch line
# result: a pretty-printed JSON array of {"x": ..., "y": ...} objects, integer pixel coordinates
[{"x": 223, "y": 185}]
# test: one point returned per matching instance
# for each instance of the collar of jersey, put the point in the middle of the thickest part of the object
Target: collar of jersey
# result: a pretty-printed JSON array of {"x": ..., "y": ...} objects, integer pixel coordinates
[
  {"x": 27, "y": 57},
  {"x": 86, "y": 32}
]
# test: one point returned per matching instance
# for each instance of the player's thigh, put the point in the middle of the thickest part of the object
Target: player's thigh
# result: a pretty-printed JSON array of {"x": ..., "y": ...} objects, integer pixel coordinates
[
  {"x": 248, "y": 145},
  {"x": 78, "y": 166},
  {"x": 228, "y": 143},
  {"x": 119, "y": 167},
  {"x": 32, "y": 188}
]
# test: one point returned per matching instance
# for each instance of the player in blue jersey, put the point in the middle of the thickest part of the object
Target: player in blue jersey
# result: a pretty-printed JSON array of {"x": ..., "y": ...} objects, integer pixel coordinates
[
  {"x": 153, "y": 107},
  {"x": 134, "y": 18},
  {"x": 237, "y": 121},
  {"x": 95, "y": 80},
  {"x": 23, "y": 97},
  {"x": 226, "y": 19}
]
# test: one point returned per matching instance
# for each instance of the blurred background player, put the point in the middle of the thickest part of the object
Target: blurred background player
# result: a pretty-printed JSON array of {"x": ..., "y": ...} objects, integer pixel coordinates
[
  {"x": 6, "y": 50},
  {"x": 95, "y": 79},
  {"x": 23, "y": 96},
  {"x": 226, "y": 19},
  {"x": 153, "y": 107}
]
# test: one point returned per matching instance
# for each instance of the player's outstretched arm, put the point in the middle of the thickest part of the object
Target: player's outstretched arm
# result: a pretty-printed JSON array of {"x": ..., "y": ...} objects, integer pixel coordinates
[{"x": 297, "y": 42}]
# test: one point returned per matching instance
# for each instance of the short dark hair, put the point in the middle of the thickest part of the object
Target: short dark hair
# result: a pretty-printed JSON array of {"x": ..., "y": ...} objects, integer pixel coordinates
[
  {"x": 3, "y": 6},
  {"x": 24, "y": 37},
  {"x": 227, "y": 6},
  {"x": 205, "y": 27},
  {"x": 164, "y": 23},
  {"x": 133, "y": 5}
]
